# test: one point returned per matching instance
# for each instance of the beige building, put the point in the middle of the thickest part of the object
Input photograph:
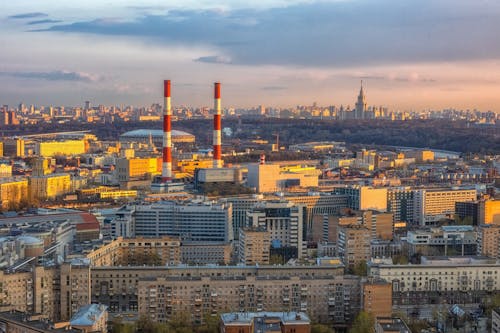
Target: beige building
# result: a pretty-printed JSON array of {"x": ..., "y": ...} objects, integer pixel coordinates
[
  {"x": 431, "y": 205},
  {"x": 137, "y": 251},
  {"x": 12, "y": 192},
  {"x": 206, "y": 253},
  {"x": 272, "y": 177},
  {"x": 322, "y": 298},
  {"x": 49, "y": 186},
  {"x": 451, "y": 280},
  {"x": 488, "y": 240},
  {"x": 254, "y": 246},
  {"x": 377, "y": 298},
  {"x": 74, "y": 287},
  {"x": 353, "y": 244}
]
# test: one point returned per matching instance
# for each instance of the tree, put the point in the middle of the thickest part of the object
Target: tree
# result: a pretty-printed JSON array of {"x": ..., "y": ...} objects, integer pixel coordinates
[
  {"x": 320, "y": 328},
  {"x": 364, "y": 323},
  {"x": 360, "y": 269}
]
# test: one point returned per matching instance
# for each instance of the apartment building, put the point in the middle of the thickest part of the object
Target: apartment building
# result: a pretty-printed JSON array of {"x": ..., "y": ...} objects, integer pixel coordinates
[
  {"x": 334, "y": 298},
  {"x": 254, "y": 246},
  {"x": 353, "y": 244},
  {"x": 437, "y": 280},
  {"x": 488, "y": 240}
]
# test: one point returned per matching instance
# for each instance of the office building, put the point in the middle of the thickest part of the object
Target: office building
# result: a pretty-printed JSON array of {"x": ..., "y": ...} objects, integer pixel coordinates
[
  {"x": 364, "y": 197},
  {"x": 431, "y": 205},
  {"x": 283, "y": 221},
  {"x": 400, "y": 201},
  {"x": 196, "y": 222}
]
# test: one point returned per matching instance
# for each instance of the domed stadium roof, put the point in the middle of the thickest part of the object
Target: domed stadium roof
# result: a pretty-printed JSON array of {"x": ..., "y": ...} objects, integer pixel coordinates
[
  {"x": 152, "y": 132},
  {"x": 157, "y": 135}
]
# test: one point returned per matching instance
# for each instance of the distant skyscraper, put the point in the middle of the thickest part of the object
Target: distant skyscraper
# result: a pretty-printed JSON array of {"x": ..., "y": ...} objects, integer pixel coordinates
[{"x": 359, "y": 112}]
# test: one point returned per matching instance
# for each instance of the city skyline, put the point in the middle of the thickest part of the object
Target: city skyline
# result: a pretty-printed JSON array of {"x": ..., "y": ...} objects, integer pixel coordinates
[{"x": 410, "y": 55}]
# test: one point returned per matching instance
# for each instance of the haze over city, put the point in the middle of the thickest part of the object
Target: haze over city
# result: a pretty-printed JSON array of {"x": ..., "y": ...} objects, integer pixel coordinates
[{"x": 411, "y": 55}]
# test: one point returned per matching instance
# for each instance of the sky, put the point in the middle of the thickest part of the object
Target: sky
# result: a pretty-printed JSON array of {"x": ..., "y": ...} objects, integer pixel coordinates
[{"x": 411, "y": 55}]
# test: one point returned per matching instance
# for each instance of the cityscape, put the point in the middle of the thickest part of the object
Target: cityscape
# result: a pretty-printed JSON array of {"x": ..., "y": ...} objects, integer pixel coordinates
[{"x": 202, "y": 186}]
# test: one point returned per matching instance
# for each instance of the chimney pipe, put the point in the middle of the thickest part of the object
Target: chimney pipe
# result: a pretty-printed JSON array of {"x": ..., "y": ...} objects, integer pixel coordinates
[
  {"x": 166, "y": 174},
  {"x": 217, "y": 127}
]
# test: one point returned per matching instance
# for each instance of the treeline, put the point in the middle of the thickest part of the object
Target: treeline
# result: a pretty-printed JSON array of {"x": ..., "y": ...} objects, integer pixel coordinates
[{"x": 444, "y": 134}]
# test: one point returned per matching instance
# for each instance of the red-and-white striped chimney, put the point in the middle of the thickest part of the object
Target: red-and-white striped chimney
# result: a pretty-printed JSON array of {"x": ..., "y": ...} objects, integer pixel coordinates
[
  {"x": 166, "y": 173},
  {"x": 217, "y": 127}
]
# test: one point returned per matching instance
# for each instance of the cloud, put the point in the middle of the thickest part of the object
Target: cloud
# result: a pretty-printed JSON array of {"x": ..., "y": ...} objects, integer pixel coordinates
[
  {"x": 54, "y": 76},
  {"x": 28, "y": 15},
  {"x": 43, "y": 22},
  {"x": 322, "y": 34},
  {"x": 214, "y": 59}
]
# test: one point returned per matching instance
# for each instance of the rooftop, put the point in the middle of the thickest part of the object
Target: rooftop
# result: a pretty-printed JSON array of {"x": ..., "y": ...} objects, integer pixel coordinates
[
  {"x": 154, "y": 133},
  {"x": 88, "y": 315}
]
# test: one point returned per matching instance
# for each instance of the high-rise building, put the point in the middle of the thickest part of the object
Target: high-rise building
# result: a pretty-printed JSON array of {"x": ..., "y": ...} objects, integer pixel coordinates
[
  {"x": 353, "y": 244},
  {"x": 191, "y": 221},
  {"x": 254, "y": 246},
  {"x": 400, "y": 203},
  {"x": 359, "y": 112},
  {"x": 364, "y": 197},
  {"x": 284, "y": 222},
  {"x": 12, "y": 192}
]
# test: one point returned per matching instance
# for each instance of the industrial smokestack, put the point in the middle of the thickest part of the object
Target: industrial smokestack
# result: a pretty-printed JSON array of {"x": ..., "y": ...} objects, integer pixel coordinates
[
  {"x": 217, "y": 127},
  {"x": 166, "y": 174}
]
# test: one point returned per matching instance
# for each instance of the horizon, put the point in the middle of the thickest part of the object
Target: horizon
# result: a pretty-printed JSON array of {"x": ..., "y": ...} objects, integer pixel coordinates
[{"x": 411, "y": 56}]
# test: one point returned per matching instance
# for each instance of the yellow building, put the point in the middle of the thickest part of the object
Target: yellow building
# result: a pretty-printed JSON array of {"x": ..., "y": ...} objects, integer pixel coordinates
[
  {"x": 425, "y": 156},
  {"x": 188, "y": 166},
  {"x": 49, "y": 186},
  {"x": 129, "y": 168},
  {"x": 136, "y": 251},
  {"x": 66, "y": 147},
  {"x": 118, "y": 194},
  {"x": 492, "y": 211},
  {"x": 5, "y": 170},
  {"x": 12, "y": 192}
]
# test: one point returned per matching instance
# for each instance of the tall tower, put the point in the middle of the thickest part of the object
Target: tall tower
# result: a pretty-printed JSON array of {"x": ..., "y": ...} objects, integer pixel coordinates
[
  {"x": 359, "y": 112},
  {"x": 166, "y": 173},
  {"x": 217, "y": 127}
]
